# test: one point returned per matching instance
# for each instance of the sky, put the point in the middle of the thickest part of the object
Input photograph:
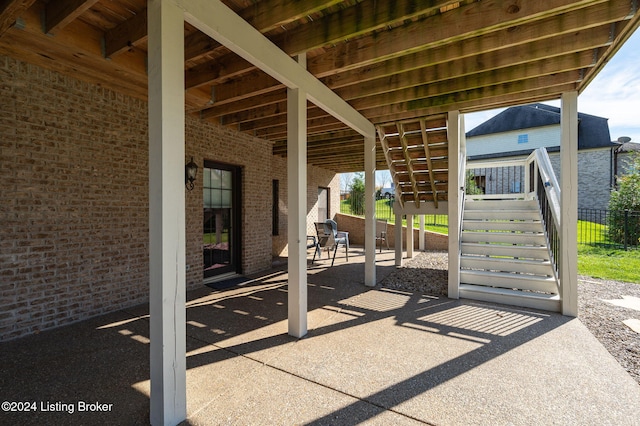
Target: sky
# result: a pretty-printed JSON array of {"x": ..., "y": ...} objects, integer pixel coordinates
[{"x": 613, "y": 94}]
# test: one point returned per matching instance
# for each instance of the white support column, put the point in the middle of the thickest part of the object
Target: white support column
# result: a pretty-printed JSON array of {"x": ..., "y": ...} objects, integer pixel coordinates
[
  {"x": 569, "y": 204},
  {"x": 410, "y": 236},
  {"x": 421, "y": 233},
  {"x": 370, "y": 210},
  {"x": 398, "y": 239},
  {"x": 297, "y": 202},
  {"x": 454, "y": 203},
  {"x": 167, "y": 258}
]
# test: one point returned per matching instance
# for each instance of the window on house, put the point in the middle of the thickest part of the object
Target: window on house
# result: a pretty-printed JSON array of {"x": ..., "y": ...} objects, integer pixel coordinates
[
  {"x": 323, "y": 204},
  {"x": 523, "y": 138}
]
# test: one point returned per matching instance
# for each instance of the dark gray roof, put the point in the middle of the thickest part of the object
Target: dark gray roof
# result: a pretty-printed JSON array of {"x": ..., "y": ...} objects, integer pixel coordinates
[
  {"x": 628, "y": 147},
  {"x": 593, "y": 132}
]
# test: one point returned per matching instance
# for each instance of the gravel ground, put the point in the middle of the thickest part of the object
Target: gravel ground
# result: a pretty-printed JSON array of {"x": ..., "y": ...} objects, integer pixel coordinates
[{"x": 427, "y": 273}]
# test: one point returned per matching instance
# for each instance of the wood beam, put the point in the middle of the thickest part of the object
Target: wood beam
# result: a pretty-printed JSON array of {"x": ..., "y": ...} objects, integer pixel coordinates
[
  {"x": 247, "y": 104},
  {"x": 455, "y": 131},
  {"x": 167, "y": 241},
  {"x": 60, "y": 13},
  {"x": 508, "y": 94},
  {"x": 297, "y": 209},
  {"x": 620, "y": 35},
  {"x": 408, "y": 162},
  {"x": 414, "y": 81},
  {"x": 126, "y": 73},
  {"x": 442, "y": 63},
  {"x": 369, "y": 154},
  {"x": 219, "y": 22},
  {"x": 335, "y": 71},
  {"x": 436, "y": 91},
  {"x": 364, "y": 17},
  {"x": 539, "y": 70},
  {"x": 9, "y": 12},
  {"x": 128, "y": 34},
  {"x": 463, "y": 74},
  {"x": 264, "y": 16},
  {"x": 568, "y": 250},
  {"x": 392, "y": 168},
  {"x": 472, "y": 102},
  {"x": 345, "y": 57},
  {"x": 427, "y": 153},
  {"x": 371, "y": 49},
  {"x": 468, "y": 22}
]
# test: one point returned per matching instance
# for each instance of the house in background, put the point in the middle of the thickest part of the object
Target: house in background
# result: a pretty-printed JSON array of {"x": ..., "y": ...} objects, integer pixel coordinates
[
  {"x": 623, "y": 156},
  {"x": 517, "y": 131}
]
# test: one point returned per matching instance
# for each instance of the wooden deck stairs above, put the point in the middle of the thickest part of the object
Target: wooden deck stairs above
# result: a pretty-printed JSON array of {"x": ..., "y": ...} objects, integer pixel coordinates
[{"x": 417, "y": 153}]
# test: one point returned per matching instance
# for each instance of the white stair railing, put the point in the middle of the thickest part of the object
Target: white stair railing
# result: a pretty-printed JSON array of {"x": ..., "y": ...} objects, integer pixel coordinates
[
  {"x": 548, "y": 193},
  {"x": 531, "y": 178}
]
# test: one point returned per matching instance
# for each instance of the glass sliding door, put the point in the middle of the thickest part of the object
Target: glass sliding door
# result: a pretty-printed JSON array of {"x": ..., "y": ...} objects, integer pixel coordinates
[{"x": 221, "y": 233}]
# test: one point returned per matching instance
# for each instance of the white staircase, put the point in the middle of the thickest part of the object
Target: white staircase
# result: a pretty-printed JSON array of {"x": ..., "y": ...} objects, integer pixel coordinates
[{"x": 504, "y": 256}]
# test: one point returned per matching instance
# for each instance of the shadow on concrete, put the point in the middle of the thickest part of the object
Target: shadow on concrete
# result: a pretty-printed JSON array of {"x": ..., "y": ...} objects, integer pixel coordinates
[{"x": 106, "y": 359}]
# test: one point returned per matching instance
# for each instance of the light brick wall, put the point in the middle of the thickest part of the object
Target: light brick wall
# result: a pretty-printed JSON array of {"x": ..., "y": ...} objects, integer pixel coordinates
[
  {"x": 205, "y": 141},
  {"x": 74, "y": 199},
  {"x": 316, "y": 177},
  {"x": 74, "y": 166},
  {"x": 594, "y": 177},
  {"x": 355, "y": 226}
]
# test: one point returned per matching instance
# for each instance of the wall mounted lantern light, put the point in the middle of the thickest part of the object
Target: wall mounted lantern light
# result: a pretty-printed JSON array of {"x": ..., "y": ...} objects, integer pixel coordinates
[{"x": 190, "y": 171}]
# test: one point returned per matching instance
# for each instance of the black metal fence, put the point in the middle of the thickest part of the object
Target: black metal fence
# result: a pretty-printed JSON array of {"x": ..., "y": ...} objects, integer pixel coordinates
[
  {"x": 497, "y": 180},
  {"x": 609, "y": 228},
  {"x": 598, "y": 228},
  {"x": 384, "y": 210}
]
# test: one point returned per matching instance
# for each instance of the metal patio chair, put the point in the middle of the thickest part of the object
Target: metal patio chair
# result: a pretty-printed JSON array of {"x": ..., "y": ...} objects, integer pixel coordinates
[
  {"x": 329, "y": 240},
  {"x": 381, "y": 233}
]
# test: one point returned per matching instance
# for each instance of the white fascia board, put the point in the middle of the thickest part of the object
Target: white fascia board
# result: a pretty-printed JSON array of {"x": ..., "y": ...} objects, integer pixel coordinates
[{"x": 219, "y": 22}]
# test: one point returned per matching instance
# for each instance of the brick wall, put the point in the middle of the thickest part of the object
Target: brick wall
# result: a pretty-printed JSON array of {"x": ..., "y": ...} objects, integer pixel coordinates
[
  {"x": 205, "y": 141},
  {"x": 316, "y": 178},
  {"x": 74, "y": 164},
  {"x": 594, "y": 177},
  {"x": 355, "y": 226},
  {"x": 74, "y": 199}
]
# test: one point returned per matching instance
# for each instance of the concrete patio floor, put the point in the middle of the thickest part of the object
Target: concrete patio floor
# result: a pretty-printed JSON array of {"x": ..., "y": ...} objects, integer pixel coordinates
[{"x": 372, "y": 356}]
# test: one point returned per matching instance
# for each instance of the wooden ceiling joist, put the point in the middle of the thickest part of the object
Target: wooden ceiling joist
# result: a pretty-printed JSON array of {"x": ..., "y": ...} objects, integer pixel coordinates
[
  {"x": 393, "y": 62},
  {"x": 408, "y": 159},
  {"x": 419, "y": 165},
  {"x": 427, "y": 153},
  {"x": 10, "y": 10},
  {"x": 60, "y": 13}
]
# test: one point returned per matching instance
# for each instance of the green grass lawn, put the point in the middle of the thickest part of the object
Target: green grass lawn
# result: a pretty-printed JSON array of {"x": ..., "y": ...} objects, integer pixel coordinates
[
  {"x": 593, "y": 261},
  {"x": 609, "y": 264}
]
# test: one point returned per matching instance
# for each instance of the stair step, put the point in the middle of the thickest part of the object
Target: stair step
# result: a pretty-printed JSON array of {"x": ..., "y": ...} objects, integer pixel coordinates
[
  {"x": 509, "y": 280},
  {"x": 500, "y": 204},
  {"x": 501, "y": 214},
  {"x": 537, "y": 267},
  {"x": 513, "y": 225},
  {"x": 522, "y": 252},
  {"x": 518, "y": 238},
  {"x": 547, "y": 302}
]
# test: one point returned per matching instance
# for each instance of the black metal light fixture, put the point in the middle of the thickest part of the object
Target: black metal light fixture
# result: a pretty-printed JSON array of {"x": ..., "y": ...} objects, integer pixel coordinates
[{"x": 190, "y": 171}]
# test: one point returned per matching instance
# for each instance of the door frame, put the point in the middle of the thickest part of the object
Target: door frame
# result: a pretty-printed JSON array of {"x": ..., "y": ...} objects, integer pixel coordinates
[{"x": 236, "y": 219}]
